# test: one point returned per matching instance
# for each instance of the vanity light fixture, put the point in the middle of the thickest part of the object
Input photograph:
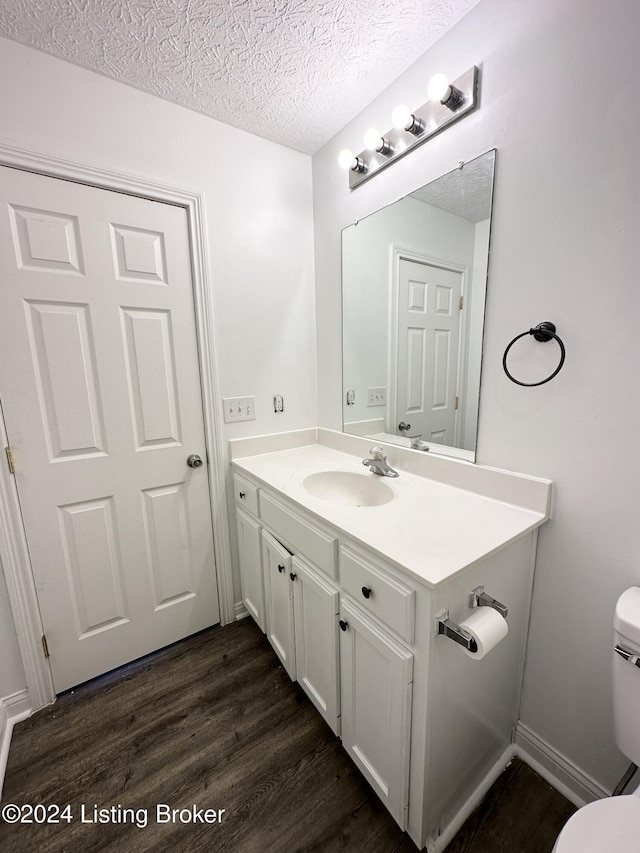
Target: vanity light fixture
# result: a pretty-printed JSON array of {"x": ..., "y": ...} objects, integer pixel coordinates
[{"x": 448, "y": 102}]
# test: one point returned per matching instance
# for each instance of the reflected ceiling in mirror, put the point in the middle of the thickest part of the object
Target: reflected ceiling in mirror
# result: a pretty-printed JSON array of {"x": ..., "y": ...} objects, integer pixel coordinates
[{"x": 414, "y": 278}]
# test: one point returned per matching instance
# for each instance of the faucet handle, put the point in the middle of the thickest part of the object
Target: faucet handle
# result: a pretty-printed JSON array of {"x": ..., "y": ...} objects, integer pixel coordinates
[{"x": 377, "y": 452}]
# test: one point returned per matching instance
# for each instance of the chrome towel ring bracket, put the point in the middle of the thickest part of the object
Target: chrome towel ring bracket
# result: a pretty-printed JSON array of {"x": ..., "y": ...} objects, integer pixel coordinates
[{"x": 543, "y": 332}]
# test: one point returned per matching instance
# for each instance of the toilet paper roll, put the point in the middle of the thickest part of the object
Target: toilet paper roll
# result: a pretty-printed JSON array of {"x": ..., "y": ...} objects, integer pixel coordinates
[{"x": 487, "y": 627}]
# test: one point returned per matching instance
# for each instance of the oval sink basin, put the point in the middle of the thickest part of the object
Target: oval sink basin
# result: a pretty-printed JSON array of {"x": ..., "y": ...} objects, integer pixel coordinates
[{"x": 348, "y": 488}]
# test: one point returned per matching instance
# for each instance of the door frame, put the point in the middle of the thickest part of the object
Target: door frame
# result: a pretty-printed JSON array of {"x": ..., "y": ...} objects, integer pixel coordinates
[
  {"x": 398, "y": 255},
  {"x": 14, "y": 552}
]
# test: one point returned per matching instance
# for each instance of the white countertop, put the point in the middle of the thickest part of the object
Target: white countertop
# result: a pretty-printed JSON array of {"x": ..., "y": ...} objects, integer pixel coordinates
[{"x": 431, "y": 530}]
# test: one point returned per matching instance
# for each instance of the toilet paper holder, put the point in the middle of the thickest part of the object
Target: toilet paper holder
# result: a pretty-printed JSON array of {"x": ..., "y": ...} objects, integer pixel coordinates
[
  {"x": 479, "y": 598},
  {"x": 449, "y": 628}
]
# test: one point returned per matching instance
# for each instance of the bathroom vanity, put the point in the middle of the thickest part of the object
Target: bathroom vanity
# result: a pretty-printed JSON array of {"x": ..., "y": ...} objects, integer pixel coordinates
[{"x": 349, "y": 575}]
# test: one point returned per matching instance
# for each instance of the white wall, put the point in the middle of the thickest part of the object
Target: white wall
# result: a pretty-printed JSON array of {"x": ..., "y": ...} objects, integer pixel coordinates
[
  {"x": 560, "y": 87},
  {"x": 258, "y": 207}
]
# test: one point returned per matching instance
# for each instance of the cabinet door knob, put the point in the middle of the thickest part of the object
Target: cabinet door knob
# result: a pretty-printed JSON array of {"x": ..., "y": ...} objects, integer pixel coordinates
[
  {"x": 293, "y": 575},
  {"x": 343, "y": 625},
  {"x": 366, "y": 591},
  {"x": 280, "y": 568},
  {"x": 242, "y": 495}
]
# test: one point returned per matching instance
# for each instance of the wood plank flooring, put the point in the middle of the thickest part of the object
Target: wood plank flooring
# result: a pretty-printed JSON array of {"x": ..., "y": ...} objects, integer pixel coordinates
[{"x": 214, "y": 722}]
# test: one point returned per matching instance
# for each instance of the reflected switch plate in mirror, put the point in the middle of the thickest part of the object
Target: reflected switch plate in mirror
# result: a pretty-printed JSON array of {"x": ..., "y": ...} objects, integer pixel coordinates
[{"x": 377, "y": 397}]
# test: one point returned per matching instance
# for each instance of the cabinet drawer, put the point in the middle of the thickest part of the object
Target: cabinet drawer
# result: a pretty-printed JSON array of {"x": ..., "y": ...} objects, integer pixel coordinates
[
  {"x": 246, "y": 494},
  {"x": 302, "y": 536},
  {"x": 378, "y": 592}
]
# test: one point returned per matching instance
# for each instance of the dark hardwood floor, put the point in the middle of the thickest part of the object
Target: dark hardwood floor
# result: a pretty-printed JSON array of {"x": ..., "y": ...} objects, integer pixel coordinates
[{"x": 214, "y": 722}]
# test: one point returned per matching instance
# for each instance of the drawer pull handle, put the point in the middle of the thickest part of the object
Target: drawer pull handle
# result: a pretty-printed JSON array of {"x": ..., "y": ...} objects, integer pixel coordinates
[
  {"x": 343, "y": 625},
  {"x": 293, "y": 575},
  {"x": 242, "y": 495},
  {"x": 280, "y": 568},
  {"x": 366, "y": 591}
]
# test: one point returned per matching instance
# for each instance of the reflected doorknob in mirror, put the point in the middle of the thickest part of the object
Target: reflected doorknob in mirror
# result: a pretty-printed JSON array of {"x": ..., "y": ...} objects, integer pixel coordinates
[
  {"x": 403, "y": 427},
  {"x": 194, "y": 461}
]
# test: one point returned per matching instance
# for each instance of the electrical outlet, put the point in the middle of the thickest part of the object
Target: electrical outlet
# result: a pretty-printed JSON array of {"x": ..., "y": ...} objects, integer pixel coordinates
[
  {"x": 376, "y": 397},
  {"x": 239, "y": 409},
  {"x": 278, "y": 403}
]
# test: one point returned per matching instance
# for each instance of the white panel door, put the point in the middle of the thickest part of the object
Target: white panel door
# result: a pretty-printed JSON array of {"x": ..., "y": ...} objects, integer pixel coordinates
[
  {"x": 427, "y": 350},
  {"x": 100, "y": 388},
  {"x": 316, "y": 630}
]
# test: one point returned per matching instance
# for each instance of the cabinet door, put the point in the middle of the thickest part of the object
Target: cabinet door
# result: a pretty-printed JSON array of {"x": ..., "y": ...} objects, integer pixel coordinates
[
  {"x": 376, "y": 678},
  {"x": 316, "y": 631},
  {"x": 279, "y": 601},
  {"x": 250, "y": 558}
]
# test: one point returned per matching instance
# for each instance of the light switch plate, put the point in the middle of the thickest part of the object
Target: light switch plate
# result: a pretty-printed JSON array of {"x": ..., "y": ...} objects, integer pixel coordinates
[
  {"x": 376, "y": 397},
  {"x": 239, "y": 409}
]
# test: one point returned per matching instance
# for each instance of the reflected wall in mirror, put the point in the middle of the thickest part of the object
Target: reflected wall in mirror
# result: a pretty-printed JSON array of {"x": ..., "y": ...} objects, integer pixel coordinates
[{"x": 414, "y": 278}]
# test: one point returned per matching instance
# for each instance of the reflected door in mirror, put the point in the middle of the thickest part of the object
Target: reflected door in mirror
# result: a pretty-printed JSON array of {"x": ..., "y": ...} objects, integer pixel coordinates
[{"x": 427, "y": 350}]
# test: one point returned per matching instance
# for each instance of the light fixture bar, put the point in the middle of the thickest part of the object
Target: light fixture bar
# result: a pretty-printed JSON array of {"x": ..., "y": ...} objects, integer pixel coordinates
[{"x": 434, "y": 116}]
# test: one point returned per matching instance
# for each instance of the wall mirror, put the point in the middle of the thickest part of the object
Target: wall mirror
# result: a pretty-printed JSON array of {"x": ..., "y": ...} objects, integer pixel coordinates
[{"x": 414, "y": 278}]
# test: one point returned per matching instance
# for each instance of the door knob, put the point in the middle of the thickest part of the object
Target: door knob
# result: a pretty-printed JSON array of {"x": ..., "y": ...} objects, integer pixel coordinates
[
  {"x": 402, "y": 426},
  {"x": 194, "y": 461}
]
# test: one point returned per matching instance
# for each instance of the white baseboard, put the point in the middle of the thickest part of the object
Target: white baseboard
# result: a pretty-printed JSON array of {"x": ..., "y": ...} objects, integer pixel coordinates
[
  {"x": 241, "y": 611},
  {"x": 12, "y": 709},
  {"x": 578, "y": 787},
  {"x": 436, "y": 845}
]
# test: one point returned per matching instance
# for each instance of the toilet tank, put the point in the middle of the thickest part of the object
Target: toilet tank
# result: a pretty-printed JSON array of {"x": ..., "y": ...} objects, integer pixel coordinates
[{"x": 626, "y": 676}]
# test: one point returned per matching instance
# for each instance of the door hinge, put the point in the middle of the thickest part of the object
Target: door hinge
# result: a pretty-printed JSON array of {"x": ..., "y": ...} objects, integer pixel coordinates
[
  {"x": 461, "y": 302},
  {"x": 10, "y": 460},
  {"x": 45, "y": 646},
  {"x": 455, "y": 405}
]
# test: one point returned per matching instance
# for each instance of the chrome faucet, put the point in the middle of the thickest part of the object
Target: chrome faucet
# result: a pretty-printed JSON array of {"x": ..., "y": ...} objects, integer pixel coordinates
[
  {"x": 378, "y": 463},
  {"x": 418, "y": 444}
]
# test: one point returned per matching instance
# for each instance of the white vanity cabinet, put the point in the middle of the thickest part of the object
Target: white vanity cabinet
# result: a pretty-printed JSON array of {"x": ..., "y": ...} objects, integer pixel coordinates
[{"x": 429, "y": 726}]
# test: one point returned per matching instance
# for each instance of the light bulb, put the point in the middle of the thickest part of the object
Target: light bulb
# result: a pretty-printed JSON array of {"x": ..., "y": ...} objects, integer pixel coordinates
[
  {"x": 372, "y": 139},
  {"x": 346, "y": 159},
  {"x": 438, "y": 88},
  {"x": 401, "y": 117}
]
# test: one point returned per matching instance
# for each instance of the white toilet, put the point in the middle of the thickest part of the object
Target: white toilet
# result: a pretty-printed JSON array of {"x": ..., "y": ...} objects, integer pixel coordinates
[{"x": 612, "y": 825}]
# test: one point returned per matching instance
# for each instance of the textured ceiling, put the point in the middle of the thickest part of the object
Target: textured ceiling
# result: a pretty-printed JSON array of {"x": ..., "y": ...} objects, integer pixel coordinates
[
  {"x": 467, "y": 191},
  {"x": 293, "y": 71}
]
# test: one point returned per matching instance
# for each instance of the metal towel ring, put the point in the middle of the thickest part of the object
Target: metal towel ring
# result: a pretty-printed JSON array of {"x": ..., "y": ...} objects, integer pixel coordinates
[{"x": 543, "y": 332}]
